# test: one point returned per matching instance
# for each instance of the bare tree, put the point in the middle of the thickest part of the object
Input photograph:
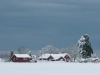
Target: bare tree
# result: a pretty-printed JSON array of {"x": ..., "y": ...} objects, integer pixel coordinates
[
  {"x": 49, "y": 49},
  {"x": 23, "y": 50},
  {"x": 72, "y": 51}
]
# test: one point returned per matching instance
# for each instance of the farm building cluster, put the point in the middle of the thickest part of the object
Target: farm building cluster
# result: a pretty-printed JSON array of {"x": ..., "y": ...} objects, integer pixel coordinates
[{"x": 46, "y": 57}]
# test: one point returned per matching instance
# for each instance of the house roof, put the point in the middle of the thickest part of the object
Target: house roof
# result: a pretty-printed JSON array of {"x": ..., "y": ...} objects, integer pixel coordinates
[
  {"x": 44, "y": 56},
  {"x": 55, "y": 56},
  {"x": 22, "y": 55}
]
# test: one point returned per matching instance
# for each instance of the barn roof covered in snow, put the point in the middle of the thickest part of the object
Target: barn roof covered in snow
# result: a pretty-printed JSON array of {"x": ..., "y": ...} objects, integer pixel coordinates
[
  {"x": 44, "y": 55},
  {"x": 22, "y": 55},
  {"x": 55, "y": 56}
]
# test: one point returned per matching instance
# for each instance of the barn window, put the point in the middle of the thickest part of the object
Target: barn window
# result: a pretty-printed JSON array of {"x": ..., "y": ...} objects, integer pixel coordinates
[{"x": 24, "y": 58}]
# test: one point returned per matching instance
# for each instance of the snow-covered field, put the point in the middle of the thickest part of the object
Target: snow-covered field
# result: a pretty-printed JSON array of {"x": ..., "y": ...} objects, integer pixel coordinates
[{"x": 49, "y": 68}]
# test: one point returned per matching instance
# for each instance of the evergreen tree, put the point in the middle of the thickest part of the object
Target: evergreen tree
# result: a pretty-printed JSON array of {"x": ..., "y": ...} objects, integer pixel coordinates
[
  {"x": 85, "y": 46},
  {"x": 11, "y": 54}
]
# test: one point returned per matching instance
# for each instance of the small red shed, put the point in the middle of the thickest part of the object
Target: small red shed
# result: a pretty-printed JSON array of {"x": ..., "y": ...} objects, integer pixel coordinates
[{"x": 21, "y": 58}]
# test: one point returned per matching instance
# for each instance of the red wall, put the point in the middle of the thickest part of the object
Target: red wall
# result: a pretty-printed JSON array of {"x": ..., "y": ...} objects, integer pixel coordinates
[
  {"x": 50, "y": 58},
  {"x": 67, "y": 58},
  {"x": 61, "y": 58},
  {"x": 15, "y": 59}
]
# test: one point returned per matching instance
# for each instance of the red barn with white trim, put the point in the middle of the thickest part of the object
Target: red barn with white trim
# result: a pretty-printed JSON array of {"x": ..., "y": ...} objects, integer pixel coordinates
[{"x": 21, "y": 58}]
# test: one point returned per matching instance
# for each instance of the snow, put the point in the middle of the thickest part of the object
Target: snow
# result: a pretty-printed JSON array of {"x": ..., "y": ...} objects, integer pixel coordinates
[
  {"x": 44, "y": 56},
  {"x": 1, "y": 59},
  {"x": 55, "y": 56},
  {"x": 49, "y": 68},
  {"x": 22, "y": 55},
  {"x": 81, "y": 41}
]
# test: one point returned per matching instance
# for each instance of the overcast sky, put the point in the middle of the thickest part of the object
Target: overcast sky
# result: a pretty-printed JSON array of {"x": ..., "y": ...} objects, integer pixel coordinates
[{"x": 37, "y": 23}]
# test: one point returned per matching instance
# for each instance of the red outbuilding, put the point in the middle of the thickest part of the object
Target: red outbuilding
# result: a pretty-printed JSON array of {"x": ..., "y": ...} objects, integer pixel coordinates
[
  {"x": 61, "y": 57},
  {"x": 55, "y": 57},
  {"x": 21, "y": 58}
]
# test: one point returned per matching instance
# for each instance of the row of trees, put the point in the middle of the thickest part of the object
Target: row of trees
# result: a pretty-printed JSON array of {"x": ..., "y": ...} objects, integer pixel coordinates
[{"x": 53, "y": 50}]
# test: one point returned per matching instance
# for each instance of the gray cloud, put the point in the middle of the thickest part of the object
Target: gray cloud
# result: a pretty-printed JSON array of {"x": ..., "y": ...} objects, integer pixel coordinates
[
  {"x": 78, "y": 11},
  {"x": 41, "y": 22}
]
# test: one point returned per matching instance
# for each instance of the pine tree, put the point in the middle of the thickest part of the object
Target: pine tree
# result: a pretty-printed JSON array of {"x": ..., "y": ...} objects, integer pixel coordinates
[
  {"x": 85, "y": 46},
  {"x": 11, "y": 54}
]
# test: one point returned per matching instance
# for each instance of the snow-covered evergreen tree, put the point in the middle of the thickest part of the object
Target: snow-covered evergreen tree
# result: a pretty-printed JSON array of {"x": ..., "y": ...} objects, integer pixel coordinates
[
  {"x": 85, "y": 46},
  {"x": 49, "y": 49}
]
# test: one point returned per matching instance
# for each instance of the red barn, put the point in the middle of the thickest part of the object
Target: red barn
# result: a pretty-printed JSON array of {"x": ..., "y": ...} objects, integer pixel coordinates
[
  {"x": 21, "y": 58},
  {"x": 61, "y": 57},
  {"x": 55, "y": 57}
]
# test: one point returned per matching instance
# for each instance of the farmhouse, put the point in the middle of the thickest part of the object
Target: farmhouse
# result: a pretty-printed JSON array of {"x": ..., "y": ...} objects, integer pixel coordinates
[
  {"x": 55, "y": 57},
  {"x": 21, "y": 58}
]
